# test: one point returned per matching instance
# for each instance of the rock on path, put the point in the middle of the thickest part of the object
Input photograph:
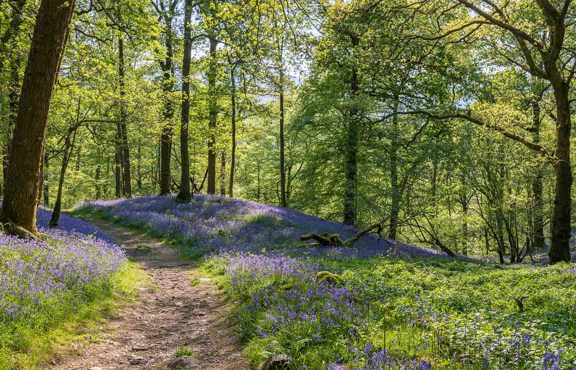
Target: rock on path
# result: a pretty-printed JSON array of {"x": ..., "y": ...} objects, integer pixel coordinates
[{"x": 170, "y": 313}]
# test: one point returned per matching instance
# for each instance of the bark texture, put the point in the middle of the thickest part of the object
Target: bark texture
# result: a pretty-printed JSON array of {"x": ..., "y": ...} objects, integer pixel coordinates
[{"x": 561, "y": 216}]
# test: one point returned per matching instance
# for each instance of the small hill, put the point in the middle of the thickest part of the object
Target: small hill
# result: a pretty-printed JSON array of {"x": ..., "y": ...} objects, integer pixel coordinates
[{"x": 220, "y": 223}]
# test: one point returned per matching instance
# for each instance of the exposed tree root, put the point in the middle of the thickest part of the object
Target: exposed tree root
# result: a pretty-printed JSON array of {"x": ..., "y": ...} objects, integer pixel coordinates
[{"x": 11, "y": 228}]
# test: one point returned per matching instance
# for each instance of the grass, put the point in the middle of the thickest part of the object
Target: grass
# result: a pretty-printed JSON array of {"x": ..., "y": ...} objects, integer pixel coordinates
[
  {"x": 183, "y": 352},
  {"x": 30, "y": 342}
]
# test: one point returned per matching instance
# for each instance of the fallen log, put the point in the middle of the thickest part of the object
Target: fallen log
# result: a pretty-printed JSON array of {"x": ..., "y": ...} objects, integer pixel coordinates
[
  {"x": 376, "y": 227},
  {"x": 324, "y": 239},
  {"x": 335, "y": 240}
]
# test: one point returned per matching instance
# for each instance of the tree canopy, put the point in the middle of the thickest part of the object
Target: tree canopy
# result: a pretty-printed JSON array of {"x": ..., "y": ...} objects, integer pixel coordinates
[{"x": 446, "y": 122}]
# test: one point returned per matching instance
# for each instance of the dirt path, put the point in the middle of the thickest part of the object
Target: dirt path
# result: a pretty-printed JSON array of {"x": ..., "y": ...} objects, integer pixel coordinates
[{"x": 170, "y": 314}]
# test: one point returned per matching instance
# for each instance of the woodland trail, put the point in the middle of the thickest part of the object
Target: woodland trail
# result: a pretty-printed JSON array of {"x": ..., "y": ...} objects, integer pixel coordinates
[{"x": 170, "y": 313}]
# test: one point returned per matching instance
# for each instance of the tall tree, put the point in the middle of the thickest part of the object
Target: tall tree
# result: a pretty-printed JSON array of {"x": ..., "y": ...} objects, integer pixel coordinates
[
  {"x": 24, "y": 179},
  {"x": 185, "y": 195},
  {"x": 166, "y": 13},
  {"x": 69, "y": 142},
  {"x": 537, "y": 239},
  {"x": 539, "y": 48},
  {"x": 233, "y": 129},
  {"x": 212, "y": 111},
  {"x": 282, "y": 124},
  {"x": 122, "y": 125}
]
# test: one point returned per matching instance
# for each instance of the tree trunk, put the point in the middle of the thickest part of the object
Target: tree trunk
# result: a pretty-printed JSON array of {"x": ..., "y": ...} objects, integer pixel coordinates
[
  {"x": 464, "y": 225},
  {"x": 78, "y": 159},
  {"x": 351, "y": 172},
  {"x": 123, "y": 125},
  {"x": 561, "y": 221},
  {"x": 23, "y": 184},
  {"x": 185, "y": 195},
  {"x": 394, "y": 183},
  {"x": 351, "y": 146},
  {"x": 213, "y": 112},
  {"x": 283, "y": 198},
  {"x": 223, "y": 173},
  {"x": 55, "y": 217},
  {"x": 107, "y": 175},
  {"x": 233, "y": 122},
  {"x": 537, "y": 238},
  {"x": 69, "y": 141},
  {"x": 139, "y": 168},
  {"x": 500, "y": 234},
  {"x": 258, "y": 182},
  {"x": 68, "y": 148},
  {"x": 168, "y": 112},
  {"x": 46, "y": 192},
  {"x": 97, "y": 176},
  {"x": 117, "y": 164}
]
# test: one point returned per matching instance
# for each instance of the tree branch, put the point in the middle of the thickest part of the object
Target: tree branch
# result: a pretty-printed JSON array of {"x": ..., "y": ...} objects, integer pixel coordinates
[
  {"x": 502, "y": 24},
  {"x": 479, "y": 122}
]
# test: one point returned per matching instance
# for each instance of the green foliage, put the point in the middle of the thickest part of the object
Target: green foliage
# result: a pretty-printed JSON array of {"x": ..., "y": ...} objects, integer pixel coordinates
[{"x": 183, "y": 352}]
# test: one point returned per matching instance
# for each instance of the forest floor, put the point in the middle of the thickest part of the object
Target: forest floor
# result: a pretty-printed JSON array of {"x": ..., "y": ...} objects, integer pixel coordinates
[
  {"x": 377, "y": 304},
  {"x": 178, "y": 322}
]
